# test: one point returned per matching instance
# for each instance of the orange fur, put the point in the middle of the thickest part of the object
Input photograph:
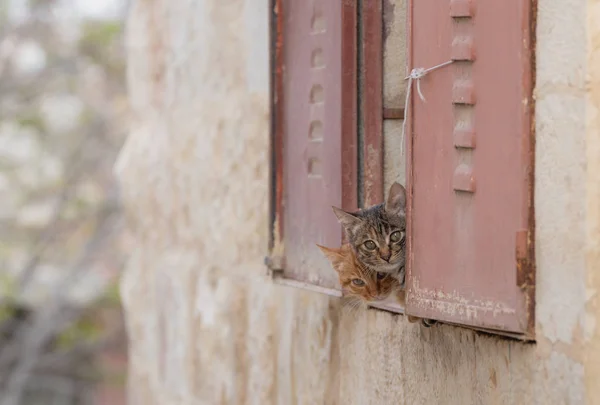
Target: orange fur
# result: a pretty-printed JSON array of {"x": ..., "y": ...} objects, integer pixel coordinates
[
  {"x": 375, "y": 286},
  {"x": 345, "y": 263}
]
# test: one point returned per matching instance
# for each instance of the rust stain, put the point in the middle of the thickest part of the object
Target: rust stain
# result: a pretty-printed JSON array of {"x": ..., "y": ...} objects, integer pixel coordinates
[
  {"x": 530, "y": 289},
  {"x": 276, "y": 144},
  {"x": 373, "y": 176}
]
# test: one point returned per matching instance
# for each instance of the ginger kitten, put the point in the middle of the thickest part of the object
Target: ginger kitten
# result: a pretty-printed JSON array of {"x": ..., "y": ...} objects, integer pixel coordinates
[
  {"x": 358, "y": 281},
  {"x": 362, "y": 284}
]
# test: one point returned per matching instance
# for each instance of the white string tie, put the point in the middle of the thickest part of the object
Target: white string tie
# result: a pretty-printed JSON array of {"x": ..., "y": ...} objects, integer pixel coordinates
[{"x": 416, "y": 74}]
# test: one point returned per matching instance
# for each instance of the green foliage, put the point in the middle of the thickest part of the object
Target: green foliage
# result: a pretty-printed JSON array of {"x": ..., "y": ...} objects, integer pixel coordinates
[
  {"x": 100, "y": 34},
  {"x": 32, "y": 120},
  {"x": 88, "y": 328},
  {"x": 8, "y": 309},
  {"x": 114, "y": 378},
  {"x": 7, "y": 286},
  {"x": 7, "y": 312},
  {"x": 99, "y": 42},
  {"x": 112, "y": 296},
  {"x": 83, "y": 330}
]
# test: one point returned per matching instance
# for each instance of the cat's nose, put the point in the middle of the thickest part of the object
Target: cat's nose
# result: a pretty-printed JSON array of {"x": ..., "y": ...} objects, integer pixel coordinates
[{"x": 385, "y": 255}]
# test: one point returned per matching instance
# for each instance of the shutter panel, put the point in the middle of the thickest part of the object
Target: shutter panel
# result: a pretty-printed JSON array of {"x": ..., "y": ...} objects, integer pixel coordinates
[
  {"x": 314, "y": 137},
  {"x": 471, "y": 165}
]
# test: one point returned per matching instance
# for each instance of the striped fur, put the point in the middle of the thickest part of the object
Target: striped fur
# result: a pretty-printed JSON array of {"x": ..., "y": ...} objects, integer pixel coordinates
[{"x": 370, "y": 233}]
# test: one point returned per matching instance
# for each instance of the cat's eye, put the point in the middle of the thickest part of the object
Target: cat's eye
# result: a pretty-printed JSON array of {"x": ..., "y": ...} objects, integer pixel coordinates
[
  {"x": 396, "y": 236},
  {"x": 358, "y": 282},
  {"x": 370, "y": 245},
  {"x": 381, "y": 276}
]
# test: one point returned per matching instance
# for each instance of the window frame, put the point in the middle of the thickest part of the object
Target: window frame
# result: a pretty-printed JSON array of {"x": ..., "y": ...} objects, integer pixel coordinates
[{"x": 362, "y": 169}]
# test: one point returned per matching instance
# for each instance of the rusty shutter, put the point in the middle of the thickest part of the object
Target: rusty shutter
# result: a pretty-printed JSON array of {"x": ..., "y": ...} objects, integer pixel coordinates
[
  {"x": 314, "y": 136},
  {"x": 470, "y": 165}
]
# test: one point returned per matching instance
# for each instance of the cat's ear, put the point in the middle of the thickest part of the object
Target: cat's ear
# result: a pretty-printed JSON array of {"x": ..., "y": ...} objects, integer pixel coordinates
[
  {"x": 331, "y": 254},
  {"x": 396, "y": 201},
  {"x": 348, "y": 220},
  {"x": 327, "y": 251}
]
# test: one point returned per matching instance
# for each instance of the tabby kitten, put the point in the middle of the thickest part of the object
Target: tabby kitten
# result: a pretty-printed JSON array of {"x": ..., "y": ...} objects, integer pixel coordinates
[
  {"x": 377, "y": 234},
  {"x": 356, "y": 280}
]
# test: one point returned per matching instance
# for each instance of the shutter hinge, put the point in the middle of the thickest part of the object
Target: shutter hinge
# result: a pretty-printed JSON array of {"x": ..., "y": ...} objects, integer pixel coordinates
[{"x": 274, "y": 264}]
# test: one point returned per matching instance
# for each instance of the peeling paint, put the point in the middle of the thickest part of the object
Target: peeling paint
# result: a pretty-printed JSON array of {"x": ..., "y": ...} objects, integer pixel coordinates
[{"x": 453, "y": 303}]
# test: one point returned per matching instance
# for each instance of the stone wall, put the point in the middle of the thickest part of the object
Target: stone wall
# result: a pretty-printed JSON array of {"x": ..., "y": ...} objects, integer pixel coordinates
[{"x": 207, "y": 327}]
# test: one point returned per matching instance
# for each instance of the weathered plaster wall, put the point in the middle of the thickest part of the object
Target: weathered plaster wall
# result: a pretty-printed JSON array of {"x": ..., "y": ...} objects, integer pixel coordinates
[
  {"x": 592, "y": 332},
  {"x": 207, "y": 327}
]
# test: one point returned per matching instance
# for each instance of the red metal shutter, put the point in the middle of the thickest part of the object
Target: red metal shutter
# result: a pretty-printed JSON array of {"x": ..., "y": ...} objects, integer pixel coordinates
[
  {"x": 314, "y": 136},
  {"x": 470, "y": 164}
]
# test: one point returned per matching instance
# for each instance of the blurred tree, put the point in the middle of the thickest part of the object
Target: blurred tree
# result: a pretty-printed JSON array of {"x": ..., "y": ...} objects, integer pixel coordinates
[{"x": 63, "y": 115}]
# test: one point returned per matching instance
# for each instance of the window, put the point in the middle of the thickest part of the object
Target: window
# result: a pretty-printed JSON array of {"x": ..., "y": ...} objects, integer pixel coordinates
[{"x": 469, "y": 151}]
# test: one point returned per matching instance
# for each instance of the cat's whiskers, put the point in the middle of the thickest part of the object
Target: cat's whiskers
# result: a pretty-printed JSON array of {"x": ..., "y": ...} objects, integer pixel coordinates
[{"x": 351, "y": 304}]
